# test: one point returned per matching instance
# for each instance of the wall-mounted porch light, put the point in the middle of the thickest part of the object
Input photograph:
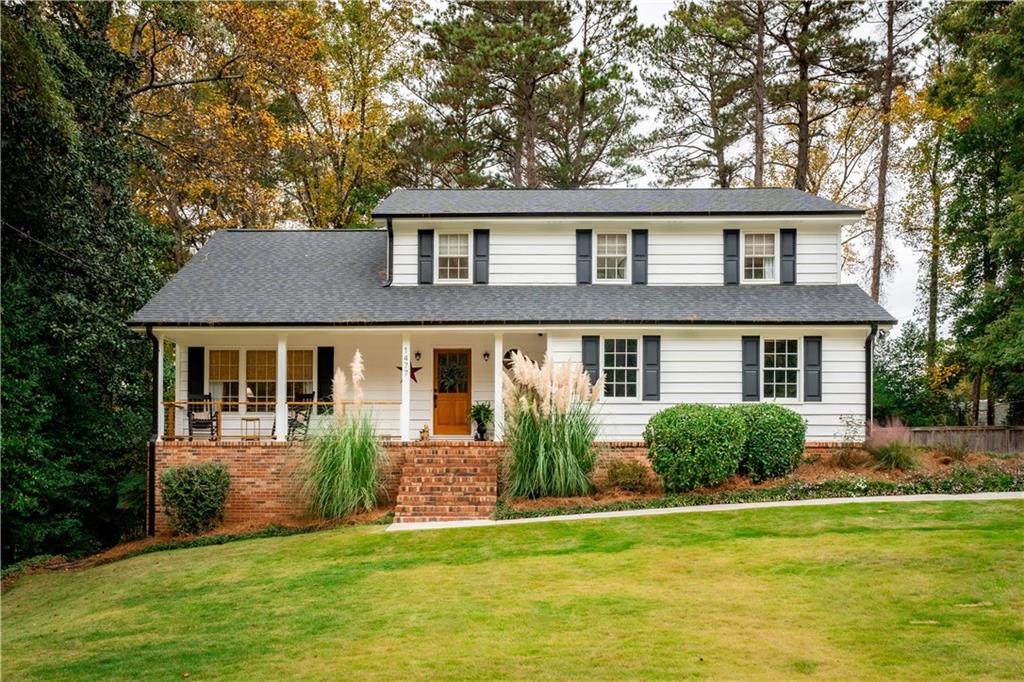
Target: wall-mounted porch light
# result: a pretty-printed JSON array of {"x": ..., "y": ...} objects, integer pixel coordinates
[
  {"x": 487, "y": 356},
  {"x": 418, "y": 355}
]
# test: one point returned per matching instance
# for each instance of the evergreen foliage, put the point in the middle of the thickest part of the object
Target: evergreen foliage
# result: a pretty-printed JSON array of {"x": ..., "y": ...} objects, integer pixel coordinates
[{"x": 77, "y": 261}]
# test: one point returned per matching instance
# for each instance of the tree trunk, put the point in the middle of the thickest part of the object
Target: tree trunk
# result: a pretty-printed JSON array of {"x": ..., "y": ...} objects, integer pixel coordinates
[
  {"x": 759, "y": 94},
  {"x": 934, "y": 255},
  {"x": 990, "y": 405},
  {"x": 883, "y": 162},
  {"x": 530, "y": 147},
  {"x": 803, "y": 132},
  {"x": 975, "y": 398}
]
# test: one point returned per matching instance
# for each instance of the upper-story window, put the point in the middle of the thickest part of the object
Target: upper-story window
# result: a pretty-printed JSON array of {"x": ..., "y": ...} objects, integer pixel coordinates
[
  {"x": 759, "y": 257},
  {"x": 612, "y": 255},
  {"x": 453, "y": 257}
]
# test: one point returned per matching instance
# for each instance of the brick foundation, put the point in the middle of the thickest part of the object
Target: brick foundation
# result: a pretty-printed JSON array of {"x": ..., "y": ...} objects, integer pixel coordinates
[{"x": 265, "y": 487}]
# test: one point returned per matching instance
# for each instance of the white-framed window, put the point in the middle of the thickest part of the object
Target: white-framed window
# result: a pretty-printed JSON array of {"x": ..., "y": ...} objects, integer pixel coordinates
[
  {"x": 300, "y": 374},
  {"x": 612, "y": 257},
  {"x": 260, "y": 380},
  {"x": 224, "y": 378},
  {"x": 780, "y": 368},
  {"x": 621, "y": 363},
  {"x": 759, "y": 257},
  {"x": 453, "y": 257}
]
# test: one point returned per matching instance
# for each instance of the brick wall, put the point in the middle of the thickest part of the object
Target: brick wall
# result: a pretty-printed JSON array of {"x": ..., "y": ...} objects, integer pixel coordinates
[{"x": 265, "y": 487}]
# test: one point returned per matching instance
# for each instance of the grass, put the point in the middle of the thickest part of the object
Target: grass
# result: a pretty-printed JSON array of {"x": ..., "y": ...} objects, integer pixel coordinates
[
  {"x": 907, "y": 591},
  {"x": 341, "y": 472}
]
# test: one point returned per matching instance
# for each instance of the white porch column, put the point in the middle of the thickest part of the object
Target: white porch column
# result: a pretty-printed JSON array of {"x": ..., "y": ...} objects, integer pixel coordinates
[
  {"x": 281, "y": 399},
  {"x": 499, "y": 379},
  {"x": 404, "y": 412},
  {"x": 160, "y": 416}
]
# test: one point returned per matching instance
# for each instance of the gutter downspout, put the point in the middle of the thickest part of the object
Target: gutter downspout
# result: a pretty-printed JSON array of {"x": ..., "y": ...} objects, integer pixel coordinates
[
  {"x": 391, "y": 254},
  {"x": 869, "y": 377},
  {"x": 151, "y": 450}
]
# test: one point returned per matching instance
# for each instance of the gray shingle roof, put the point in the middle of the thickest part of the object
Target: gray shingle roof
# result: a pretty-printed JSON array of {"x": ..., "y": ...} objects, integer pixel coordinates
[
  {"x": 334, "y": 278},
  {"x": 570, "y": 202}
]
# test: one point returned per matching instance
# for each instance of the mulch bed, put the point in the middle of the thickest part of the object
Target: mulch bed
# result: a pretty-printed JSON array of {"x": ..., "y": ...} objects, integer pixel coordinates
[{"x": 816, "y": 469}]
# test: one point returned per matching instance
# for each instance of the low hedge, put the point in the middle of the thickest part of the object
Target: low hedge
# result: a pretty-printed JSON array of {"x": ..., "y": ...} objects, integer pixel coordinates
[
  {"x": 694, "y": 445},
  {"x": 775, "y": 440},
  {"x": 194, "y": 495}
]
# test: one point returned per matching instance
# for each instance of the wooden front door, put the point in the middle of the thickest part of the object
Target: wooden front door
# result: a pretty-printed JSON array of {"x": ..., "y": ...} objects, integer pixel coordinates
[{"x": 451, "y": 392}]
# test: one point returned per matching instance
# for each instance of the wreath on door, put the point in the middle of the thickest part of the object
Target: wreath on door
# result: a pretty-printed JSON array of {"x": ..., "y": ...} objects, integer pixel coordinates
[{"x": 452, "y": 375}]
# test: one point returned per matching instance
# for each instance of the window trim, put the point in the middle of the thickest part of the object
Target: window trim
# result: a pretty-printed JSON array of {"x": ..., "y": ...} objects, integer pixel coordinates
[
  {"x": 628, "y": 277},
  {"x": 243, "y": 379},
  {"x": 799, "y": 399},
  {"x": 437, "y": 257},
  {"x": 639, "y": 397},
  {"x": 774, "y": 231}
]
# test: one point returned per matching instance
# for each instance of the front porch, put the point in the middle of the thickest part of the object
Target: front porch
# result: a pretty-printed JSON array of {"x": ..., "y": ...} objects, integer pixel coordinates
[{"x": 267, "y": 385}]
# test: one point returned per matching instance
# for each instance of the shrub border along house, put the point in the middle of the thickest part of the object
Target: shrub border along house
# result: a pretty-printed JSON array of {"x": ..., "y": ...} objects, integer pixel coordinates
[{"x": 962, "y": 480}]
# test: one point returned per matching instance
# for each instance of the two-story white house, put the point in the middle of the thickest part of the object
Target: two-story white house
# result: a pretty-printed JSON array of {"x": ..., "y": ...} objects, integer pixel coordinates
[{"x": 672, "y": 295}]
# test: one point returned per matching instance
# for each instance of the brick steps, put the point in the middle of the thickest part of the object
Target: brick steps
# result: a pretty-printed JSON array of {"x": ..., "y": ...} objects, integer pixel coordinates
[{"x": 446, "y": 482}]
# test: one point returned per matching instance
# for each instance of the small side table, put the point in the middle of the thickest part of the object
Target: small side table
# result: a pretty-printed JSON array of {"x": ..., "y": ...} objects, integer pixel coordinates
[{"x": 250, "y": 423}]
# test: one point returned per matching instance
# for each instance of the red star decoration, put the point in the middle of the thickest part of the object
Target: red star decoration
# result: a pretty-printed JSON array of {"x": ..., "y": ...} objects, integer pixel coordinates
[{"x": 412, "y": 372}]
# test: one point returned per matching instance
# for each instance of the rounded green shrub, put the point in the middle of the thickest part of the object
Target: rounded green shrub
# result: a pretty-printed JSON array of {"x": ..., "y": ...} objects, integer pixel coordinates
[
  {"x": 775, "y": 440},
  {"x": 194, "y": 495},
  {"x": 694, "y": 445},
  {"x": 628, "y": 475}
]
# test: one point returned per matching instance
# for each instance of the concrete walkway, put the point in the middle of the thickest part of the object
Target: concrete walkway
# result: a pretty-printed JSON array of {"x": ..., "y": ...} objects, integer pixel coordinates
[{"x": 435, "y": 525}]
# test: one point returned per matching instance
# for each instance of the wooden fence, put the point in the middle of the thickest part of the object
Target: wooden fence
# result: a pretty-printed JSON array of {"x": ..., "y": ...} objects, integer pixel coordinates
[{"x": 1005, "y": 439}]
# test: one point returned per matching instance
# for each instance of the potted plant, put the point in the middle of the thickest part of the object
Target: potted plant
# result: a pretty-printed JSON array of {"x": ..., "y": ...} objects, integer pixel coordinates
[{"x": 483, "y": 415}]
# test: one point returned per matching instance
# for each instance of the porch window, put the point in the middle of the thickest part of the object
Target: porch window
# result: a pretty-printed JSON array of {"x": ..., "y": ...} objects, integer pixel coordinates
[
  {"x": 620, "y": 368},
  {"x": 453, "y": 257},
  {"x": 759, "y": 257},
  {"x": 261, "y": 380},
  {"x": 300, "y": 375},
  {"x": 781, "y": 368},
  {"x": 612, "y": 252},
  {"x": 224, "y": 378}
]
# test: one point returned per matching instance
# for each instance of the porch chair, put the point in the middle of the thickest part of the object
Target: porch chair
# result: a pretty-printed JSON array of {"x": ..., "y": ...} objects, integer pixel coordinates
[
  {"x": 202, "y": 415},
  {"x": 298, "y": 417}
]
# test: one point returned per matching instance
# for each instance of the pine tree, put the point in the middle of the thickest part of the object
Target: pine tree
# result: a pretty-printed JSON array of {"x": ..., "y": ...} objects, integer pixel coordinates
[
  {"x": 700, "y": 93},
  {"x": 824, "y": 66},
  {"x": 588, "y": 136}
]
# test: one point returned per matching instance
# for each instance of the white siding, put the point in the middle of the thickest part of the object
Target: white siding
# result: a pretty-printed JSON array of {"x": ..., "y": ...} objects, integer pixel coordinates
[
  {"x": 698, "y": 364},
  {"x": 682, "y": 251},
  {"x": 704, "y": 366}
]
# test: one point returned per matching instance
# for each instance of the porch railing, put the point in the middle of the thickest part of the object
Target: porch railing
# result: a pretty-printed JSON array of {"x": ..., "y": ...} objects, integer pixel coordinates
[{"x": 246, "y": 420}]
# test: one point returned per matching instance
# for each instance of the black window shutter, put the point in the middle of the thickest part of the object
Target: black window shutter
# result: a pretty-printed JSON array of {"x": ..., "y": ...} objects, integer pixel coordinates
[
  {"x": 584, "y": 246},
  {"x": 812, "y": 369},
  {"x": 751, "y": 368},
  {"x": 481, "y": 253},
  {"x": 426, "y": 257},
  {"x": 732, "y": 256},
  {"x": 639, "y": 256},
  {"x": 592, "y": 356},
  {"x": 652, "y": 368},
  {"x": 324, "y": 372},
  {"x": 787, "y": 245},
  {"x": 196, "y": 370}
]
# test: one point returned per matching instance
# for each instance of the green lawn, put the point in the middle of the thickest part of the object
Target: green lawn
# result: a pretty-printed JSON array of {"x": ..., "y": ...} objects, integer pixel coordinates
[{"x": 858, "y": 591}]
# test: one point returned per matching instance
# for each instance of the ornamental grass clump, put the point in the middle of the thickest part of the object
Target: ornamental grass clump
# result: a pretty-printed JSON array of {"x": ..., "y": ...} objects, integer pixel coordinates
[
  {"x": 550, "y": 428},
  {"x": 342, "y": 472}
]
